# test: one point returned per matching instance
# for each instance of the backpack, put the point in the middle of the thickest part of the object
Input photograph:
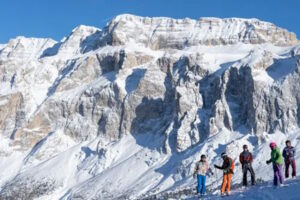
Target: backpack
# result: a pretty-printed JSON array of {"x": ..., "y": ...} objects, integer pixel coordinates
[{"x": 232, "y": 165}]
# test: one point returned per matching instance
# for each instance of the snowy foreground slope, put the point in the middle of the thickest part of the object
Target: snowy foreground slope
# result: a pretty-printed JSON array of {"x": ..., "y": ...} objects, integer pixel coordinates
[
  {"x": 263, "y": 192},
  {"x": 124, "y": 112}
]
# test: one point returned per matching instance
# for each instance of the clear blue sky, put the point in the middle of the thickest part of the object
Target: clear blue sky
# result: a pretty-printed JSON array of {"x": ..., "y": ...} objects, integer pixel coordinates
[{"x": 56, "y": 18}]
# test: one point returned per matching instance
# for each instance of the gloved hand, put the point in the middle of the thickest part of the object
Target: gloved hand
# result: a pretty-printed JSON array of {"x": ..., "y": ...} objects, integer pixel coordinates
[
  {"x": 268, "y": 162},
  {"x": 212, "y": 173}
]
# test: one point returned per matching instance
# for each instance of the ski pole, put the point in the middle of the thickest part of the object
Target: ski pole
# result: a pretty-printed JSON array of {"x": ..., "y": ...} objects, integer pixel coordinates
[{"x": 216, "y": 179}]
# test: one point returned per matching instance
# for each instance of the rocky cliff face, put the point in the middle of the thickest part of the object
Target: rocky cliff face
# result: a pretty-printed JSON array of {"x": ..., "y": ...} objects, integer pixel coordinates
[
  {"x": 179, "y": 80},
  {"x": 162, "y": 33}
]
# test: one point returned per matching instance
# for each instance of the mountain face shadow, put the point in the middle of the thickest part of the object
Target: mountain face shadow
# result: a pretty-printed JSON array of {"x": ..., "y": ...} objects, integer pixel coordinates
[
  {"x": 282, "y": 67},
  {"x": 239, "y": 96},
  {"x": 151, "y": 120},
  {"x": 148, "y": 114},
  {"x": 37, "y": 147},
  {"x": 67, "y": 70},
  {"x": 51, "y": 51},
  {"x": 153, "y": 116},
  {"x": 90, "y": 43},
  {"x": 88, "y": 152},
  {"x": 133, "y": 80}
]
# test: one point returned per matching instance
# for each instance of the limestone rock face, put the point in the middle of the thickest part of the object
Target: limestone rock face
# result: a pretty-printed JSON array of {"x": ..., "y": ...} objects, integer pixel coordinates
[
  {"x": 162, "y": 33},
  {"x": 12, "y": 113},
  {"x": 178, "y": 81}
]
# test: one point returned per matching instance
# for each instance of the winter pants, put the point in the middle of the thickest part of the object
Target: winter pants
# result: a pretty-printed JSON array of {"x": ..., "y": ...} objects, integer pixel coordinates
[
  {"x": 277, "y": 174},
  {"x": 226, "y": 183},
  {"x": 201, "y": 184},
  {"x": 246, "y": 168},
  {"x": 287, "y": 166}
]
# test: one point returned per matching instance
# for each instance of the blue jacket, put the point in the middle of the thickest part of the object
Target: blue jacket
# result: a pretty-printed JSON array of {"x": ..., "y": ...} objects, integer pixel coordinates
[{"x": 289, "y": 153}]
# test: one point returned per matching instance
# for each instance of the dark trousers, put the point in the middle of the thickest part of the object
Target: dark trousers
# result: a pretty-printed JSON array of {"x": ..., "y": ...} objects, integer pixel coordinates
[
  {"x": 246, "y": 168},
  {"x": 287, "y": 166}
]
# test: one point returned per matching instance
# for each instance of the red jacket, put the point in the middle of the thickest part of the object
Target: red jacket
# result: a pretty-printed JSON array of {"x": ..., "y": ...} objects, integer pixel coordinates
[{"x": 246, "y": 157}]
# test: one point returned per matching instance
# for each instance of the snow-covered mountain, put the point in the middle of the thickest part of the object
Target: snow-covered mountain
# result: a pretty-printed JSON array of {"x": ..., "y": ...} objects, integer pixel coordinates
[{"x": 124, "y": 112}]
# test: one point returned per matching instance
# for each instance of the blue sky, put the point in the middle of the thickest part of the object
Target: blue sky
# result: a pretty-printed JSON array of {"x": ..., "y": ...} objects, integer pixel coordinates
[{"x": 56, "y": 18}]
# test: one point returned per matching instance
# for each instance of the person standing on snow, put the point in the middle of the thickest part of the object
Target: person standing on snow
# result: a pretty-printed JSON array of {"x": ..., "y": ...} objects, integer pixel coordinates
[
  {"x": 201, "y": 169},
  {"x": 277, "y": 161},
  {"x": 289, "y": 159},
  {"x": 246, "y": 160},
  {"x": 227, "y": 167}
]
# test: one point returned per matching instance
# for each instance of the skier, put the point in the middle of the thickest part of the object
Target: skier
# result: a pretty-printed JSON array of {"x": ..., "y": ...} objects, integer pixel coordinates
[
  {"x": 289, "y": 158},
  {"x": 227, "y": 167},
  {"x": 277, "y": 161},
  {"x": 246, "y": 160},
  {"x": 201, "y": 169}
]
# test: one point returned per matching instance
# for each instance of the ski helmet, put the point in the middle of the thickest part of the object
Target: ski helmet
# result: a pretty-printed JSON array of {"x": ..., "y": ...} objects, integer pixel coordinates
[
  {"x": 245, "y": 146},
  {"x": 223, "y": 155},
  {"x": 272, "y": 144}
]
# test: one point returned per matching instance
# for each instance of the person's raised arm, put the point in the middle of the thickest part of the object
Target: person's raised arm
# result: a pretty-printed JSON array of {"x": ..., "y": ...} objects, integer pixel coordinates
[{"x": 218, "y": 167}]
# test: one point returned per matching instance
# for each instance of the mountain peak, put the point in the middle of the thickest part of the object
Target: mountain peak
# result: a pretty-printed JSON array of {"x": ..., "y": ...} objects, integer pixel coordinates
[
  {"x": 82, "y": 38},
  {"x": 84, "y": 30},
  {"x": 25, "y": 47}
]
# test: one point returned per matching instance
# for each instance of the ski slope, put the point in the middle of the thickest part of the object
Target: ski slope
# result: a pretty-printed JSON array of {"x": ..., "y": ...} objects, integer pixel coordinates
[
  {"x": 232, "y": 144},
  {"x": 264, "y": 191}
]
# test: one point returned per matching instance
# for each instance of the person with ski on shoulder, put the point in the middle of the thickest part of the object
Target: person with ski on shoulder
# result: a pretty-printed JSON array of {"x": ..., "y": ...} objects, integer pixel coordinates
[
  {"x": 288, "y": 154},
  {"x": 277, "y": 161},
  {"x": 246, "y": 160},
  {"x": 227, "y": 167},
  {"x": 200, "y": 171}
]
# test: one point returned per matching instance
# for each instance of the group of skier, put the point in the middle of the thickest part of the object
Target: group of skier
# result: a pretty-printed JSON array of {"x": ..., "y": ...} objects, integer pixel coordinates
[{"x": 246, "y": 159}]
